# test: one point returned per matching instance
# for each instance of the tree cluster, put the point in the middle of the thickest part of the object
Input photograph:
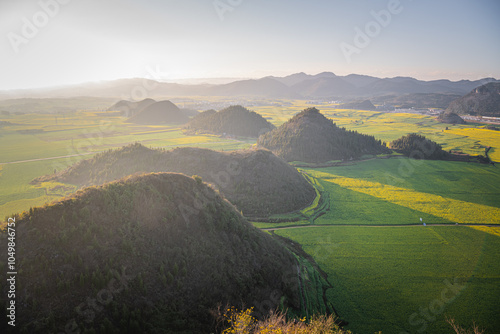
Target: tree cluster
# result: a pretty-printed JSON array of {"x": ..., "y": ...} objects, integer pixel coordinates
[
  {"x": 234, "y": 120},
  {"x": 418, "y": 147}
]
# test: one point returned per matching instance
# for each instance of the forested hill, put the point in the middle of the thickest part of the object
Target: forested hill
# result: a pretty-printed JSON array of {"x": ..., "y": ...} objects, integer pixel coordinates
[
  {"x": 311, "y": 137},
  {"x": 130, "y": 108},
  {"x": 233, "y": 120},
  {"x": 162, "y": 112},
  {"x": 256, "y": 181},
  {"x": 481, "y": 101},
  {"x": 144, "y": 254}
]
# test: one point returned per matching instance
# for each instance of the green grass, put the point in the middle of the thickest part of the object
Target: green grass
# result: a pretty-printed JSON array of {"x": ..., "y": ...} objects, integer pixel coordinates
[
  {"x": 381, "y": 276},
  {"x": 18, "y": 194},
  {"x": 469, "y": 182}
]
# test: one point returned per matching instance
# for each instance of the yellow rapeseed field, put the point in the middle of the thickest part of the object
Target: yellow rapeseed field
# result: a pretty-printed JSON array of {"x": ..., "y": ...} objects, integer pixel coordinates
[
  {"x": 484, "y": 136},
  {"x": 451, "y": 209},
  {"x": 495, "y": 230}
]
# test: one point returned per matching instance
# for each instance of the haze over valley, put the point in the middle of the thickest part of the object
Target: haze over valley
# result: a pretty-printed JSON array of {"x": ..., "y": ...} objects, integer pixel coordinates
[{"x": 250, "y": 166}]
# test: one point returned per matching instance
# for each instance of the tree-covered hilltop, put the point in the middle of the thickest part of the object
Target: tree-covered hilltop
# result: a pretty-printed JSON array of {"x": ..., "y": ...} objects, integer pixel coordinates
[
  {"x": 358, "y": 105},
  {"x": 162, "y": 112},
  {"x": 148, "y": 253},
  {"x": 450, "y": 118},
  {"x": 311, "y": 137},
  {"x": 130, "y": 108},
  {"x": 418, "y": 147},
  {"x": 233, "y": 120},
  {"x": 256, "y": 181}
]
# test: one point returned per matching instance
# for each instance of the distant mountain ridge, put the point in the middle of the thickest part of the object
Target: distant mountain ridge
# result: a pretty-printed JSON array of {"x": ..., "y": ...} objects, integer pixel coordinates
[{"x": 298, "y": 85}]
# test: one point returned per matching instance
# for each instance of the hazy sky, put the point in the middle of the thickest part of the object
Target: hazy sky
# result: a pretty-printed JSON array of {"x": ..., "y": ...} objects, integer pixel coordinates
[{"x": 53, "y": 42}]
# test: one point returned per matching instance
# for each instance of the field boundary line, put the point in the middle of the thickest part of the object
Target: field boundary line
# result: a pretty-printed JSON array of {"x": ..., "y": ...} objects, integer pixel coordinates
[{"x": 49, "y": 158}]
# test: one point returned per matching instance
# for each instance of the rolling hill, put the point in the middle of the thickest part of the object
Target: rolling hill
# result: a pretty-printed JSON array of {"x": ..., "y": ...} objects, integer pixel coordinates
[
  {"x": 359, "y": 105},
  {"x": 130, "y": 108},
  {"x": 161, "y": 112},
  {"x": 311, "y": 137},
  {"x": 417, "y": 100},
  {"x": 481, "y": 101},
  {"x": 257, "y": 182},
  {"x": 148, "y": 253},
  {"x": 324, "y": 87},
  {"x": 450, "y": 118},
  {"x": 233, "y": 120}
]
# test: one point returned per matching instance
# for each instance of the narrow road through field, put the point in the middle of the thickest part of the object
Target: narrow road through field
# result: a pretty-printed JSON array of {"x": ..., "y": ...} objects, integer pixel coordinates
[
  {"x": 88, "y": 153},
  {"x": 379, "y": 225}
]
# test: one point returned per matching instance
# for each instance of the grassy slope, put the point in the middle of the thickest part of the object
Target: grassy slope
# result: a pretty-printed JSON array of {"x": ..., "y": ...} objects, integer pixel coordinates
[{"x": 383, "y": 275}]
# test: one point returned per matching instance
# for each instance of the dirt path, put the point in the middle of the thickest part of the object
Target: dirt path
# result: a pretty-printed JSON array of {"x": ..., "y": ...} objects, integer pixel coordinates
[
  {"x": 49, "y": 158},
  {"x": 89, "y": 153}
]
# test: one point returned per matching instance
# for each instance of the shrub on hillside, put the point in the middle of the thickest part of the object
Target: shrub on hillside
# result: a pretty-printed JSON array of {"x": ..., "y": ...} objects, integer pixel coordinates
[{"x": 277, "y": 322}]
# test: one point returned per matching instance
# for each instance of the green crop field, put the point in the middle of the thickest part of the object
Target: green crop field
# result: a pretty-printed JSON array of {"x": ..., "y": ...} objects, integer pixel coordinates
[
  {"x": 37, "y": 144},
  {"x": 397, "y": 279},
  {"x": 392, "y": 278},
  {"x": 401, "y": 191}
]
